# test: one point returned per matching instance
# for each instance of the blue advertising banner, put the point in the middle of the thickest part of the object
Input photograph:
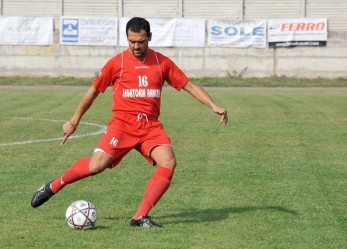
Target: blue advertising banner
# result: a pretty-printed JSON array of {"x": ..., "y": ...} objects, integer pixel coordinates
[
  {"x": 88, "y": 31},
  {"x": 239, "y": 34}
]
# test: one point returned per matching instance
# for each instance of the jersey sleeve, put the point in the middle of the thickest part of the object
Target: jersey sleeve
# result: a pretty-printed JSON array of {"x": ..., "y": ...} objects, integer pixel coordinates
[
  {"x": 174, "y": 75},
  {"x": 106, "y": 76}
]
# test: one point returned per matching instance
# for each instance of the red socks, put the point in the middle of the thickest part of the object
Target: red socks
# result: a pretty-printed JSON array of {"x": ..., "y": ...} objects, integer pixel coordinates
[
  {"x": 76, "y": 172},
  {"x": 156, "y": 188}
]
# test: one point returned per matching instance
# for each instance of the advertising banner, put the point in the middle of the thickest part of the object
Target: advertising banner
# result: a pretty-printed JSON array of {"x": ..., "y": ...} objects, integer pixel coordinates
[
  {"x": 170, "y": 32},
  {"x": 17, "y": 30},
  {"x": 88, "y": 31},
  {"x": 239, "y": 34},
  {"x": 297, "y": 32}
]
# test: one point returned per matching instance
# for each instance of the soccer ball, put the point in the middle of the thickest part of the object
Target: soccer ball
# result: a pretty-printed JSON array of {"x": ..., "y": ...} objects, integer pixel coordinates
[{"x": 81, "y": 215}]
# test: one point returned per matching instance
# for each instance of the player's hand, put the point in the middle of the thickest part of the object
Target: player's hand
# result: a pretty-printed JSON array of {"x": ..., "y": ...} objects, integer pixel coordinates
[
  {"x": 223, "y": 113},
  {"x": 68, "y": 129}
]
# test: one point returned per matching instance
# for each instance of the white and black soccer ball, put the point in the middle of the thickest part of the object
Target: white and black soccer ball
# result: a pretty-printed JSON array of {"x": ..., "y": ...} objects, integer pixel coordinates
[{"x": 81, "y": 214}]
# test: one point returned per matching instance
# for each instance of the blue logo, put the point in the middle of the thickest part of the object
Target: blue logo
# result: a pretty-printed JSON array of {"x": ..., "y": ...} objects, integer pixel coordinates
[
  {"x": 239, "y": 31},
  {"x": 70, "y": 30}
]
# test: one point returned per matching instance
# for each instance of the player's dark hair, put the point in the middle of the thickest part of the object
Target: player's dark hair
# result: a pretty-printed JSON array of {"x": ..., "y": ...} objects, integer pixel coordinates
[{"x": 136, "y": 24}]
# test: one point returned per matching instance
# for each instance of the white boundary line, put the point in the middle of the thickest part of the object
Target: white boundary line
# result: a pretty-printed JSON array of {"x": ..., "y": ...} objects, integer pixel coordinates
[{"x": 101, "y": 130}]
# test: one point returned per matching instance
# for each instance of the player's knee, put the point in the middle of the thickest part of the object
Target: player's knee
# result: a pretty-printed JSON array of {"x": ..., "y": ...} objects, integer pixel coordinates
[
  {"x": 170, "y": 163},
  {"x": 96, "y": 168},
  {"x": 99, "y": 163}
]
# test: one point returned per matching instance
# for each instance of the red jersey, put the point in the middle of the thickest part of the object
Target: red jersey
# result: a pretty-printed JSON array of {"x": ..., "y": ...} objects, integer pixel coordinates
[{"x": 137, "y": 85}]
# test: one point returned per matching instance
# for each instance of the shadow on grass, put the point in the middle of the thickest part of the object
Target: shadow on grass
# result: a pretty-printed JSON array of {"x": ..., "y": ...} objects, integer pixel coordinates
[{"x": 212, "y": 215}]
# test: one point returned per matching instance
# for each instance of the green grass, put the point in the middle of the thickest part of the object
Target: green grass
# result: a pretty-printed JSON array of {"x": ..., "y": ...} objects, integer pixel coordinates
[
  {"x": 275, "y": 177},
  {"x": 275, "y": 81},
  {"x": 228, "y": 81},
  {"x": 38, "y": 81}
]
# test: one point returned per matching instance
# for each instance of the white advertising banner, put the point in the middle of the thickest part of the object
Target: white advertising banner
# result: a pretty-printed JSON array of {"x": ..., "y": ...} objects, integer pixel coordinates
[
  {"x": 17, "y": 30},
  {"x": 240, "y": 34},
  {"x": 297, "y": 32},
  {"x": 88, "y": 31},
  {"x": 170, "y": 32}
]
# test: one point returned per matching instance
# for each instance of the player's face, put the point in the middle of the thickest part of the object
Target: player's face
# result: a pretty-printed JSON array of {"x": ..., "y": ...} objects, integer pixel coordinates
[{"x": 138, "y": 43}]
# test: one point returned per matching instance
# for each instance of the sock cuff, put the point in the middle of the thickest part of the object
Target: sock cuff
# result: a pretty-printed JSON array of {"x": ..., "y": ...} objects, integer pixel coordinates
[
  {"x": 165, "y": 172},
  {"x": 85, "y": 161}
]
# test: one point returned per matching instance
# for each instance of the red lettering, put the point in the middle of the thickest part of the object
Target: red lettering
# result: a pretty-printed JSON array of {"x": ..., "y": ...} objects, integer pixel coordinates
[
  {"x": 292, "y": 27},
  {"x": 310, "y": 26},
  {"x": 301, "y": 26},
  {"x": 320, "y": 26},
  {"x": 284, "y": 26}
]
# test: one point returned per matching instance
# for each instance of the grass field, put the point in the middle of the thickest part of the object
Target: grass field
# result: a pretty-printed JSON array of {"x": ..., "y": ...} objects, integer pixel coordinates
[{"x": 275, "y": 177}]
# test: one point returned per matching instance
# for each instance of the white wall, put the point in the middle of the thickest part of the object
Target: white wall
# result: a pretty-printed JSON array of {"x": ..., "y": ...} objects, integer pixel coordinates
[
  {"x": 83, "y": 61},
  {"x": 86, "y": 61}
]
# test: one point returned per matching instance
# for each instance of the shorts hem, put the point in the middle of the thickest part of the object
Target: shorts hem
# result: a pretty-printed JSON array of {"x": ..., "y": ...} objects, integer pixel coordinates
[{"x": 101, "y": 150}]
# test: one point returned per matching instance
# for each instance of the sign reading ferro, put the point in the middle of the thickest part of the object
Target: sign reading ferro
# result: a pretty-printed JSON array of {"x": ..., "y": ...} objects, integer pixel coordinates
[{"x": 297, "y": 32}]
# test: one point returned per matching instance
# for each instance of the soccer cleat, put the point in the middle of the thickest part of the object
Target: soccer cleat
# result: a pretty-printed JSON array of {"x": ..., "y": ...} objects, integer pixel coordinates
[
  {"x": 42, "y": 195},
  {"x": 144, "y": 221}
]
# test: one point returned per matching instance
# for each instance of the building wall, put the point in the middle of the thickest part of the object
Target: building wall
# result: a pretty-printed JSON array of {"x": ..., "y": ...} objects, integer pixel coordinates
[{"x": 86, "y": 61}]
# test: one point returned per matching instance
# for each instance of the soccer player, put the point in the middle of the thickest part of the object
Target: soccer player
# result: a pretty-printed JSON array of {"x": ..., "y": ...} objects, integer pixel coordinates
[{"x": 137, "y": 76}]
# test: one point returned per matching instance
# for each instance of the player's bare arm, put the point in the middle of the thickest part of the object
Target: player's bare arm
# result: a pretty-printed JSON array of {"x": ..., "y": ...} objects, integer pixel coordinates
[
  {"x": 201, "y": 95},
  {"x": 87, "y": 100}
]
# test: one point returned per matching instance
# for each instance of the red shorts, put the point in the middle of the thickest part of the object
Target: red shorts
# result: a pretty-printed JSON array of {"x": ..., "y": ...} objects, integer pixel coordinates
[{"x": 126, "y": 132}]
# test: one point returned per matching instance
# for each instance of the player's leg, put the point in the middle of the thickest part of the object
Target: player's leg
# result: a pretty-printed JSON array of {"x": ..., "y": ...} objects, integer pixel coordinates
[
  {"x": 81, "y": 169},
  {"x": 158, "y": 184},
  {"x": 106, "y": 154}
]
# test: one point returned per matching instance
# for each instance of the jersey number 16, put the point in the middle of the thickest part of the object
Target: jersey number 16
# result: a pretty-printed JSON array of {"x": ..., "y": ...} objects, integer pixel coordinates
[{"x": 143, "y": 81}]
